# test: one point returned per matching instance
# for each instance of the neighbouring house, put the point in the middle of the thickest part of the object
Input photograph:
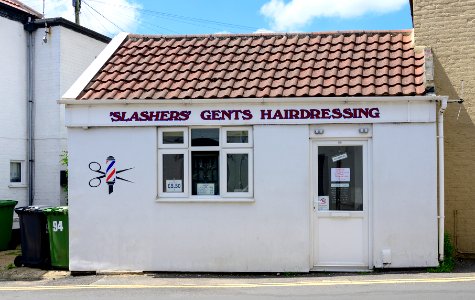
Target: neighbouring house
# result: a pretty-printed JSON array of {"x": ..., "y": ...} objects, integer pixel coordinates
[
  {"x": 448, "y": 28},
  {"x": 40, "y": 59},
  {"x": 255, "y": 153}
]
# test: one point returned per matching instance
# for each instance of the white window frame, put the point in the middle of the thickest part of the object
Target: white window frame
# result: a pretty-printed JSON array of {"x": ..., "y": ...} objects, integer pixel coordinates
[
  {"x": 172, "y": 129},
  {"x": 186, "y": 177},
  {"x": 224, "y": 137},
  {"x": 22, "y": 174},
  {"x": 223, "y": 174},
  {"x": 223, "y": 149}
]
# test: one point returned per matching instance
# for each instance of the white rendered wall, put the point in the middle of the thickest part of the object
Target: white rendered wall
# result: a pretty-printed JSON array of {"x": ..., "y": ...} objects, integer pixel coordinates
[
  {"x": 405, "y": 194},
  {"x": 13, "y": 99},
  {"x": 58, "y": 63},
  {"x": 129, "y": 230}
]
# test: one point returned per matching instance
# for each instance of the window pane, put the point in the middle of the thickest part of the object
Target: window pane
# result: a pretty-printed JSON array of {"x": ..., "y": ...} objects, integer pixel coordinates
[
  {"x": 15, "y": 172},
  {"x": 205, "y": 173},
  {"x": 237, "y": 168},
  {"x": 340, "y": 177},
  {"x": 172, "y": 137},
  {"x": 173, "y": 173},
  {"x": 205, "y": 137},
  {"x": 241, "y": 136}
]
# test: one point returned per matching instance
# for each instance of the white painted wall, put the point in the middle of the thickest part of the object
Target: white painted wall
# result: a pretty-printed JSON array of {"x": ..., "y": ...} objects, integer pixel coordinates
[
  {"x": 129, "y": 230},
  {"x": 405, "y": 194},
  {"x": 13, "y": 99},
  {"x": 57, "y": 65}
]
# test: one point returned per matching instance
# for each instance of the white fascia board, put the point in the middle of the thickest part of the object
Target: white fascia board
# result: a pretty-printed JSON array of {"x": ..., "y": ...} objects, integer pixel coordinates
[
  {"x": 79, "y": 85},
  {"x": 253, "y": 100}
]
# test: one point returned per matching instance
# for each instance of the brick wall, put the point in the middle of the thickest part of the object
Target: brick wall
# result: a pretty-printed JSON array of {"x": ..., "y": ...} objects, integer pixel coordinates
[{"x": 448, "y": 27}]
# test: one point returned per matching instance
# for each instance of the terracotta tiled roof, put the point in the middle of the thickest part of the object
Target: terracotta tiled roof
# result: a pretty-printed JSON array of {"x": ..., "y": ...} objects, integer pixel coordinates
[
  {"x": 20, "y": 6},
  {"x": 260, "y": 66}
]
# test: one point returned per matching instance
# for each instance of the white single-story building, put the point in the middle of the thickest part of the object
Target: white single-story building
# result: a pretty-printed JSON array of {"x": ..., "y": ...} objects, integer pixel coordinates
[{"x": 255, "y": 153}]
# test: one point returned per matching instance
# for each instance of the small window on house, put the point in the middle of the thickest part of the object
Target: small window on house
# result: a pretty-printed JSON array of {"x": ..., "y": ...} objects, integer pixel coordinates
[
  {"x": 237, "y": 137},
  {"x": 15, "y": 172},
  {"x": 173, "y": 137},
  {"x": 202, "y": 137}
]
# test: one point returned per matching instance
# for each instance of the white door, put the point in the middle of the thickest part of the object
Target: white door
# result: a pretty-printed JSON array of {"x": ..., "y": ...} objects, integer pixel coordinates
[{"x": 340, "y": 205}]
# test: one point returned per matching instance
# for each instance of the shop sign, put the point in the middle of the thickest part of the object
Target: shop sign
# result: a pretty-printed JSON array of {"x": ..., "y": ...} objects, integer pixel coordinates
[{"x": 245, "y": 114}]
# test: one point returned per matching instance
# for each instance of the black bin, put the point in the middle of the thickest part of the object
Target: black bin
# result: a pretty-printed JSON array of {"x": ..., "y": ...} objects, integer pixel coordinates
[{"x": 34, "y": 237}]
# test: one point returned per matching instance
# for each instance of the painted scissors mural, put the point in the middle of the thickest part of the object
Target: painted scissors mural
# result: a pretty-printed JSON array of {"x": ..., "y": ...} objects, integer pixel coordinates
[{"x": 110, "y": 174}]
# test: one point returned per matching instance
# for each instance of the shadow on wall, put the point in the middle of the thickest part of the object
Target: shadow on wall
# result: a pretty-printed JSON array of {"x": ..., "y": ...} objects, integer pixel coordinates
[{"x": 459, "y": 164}]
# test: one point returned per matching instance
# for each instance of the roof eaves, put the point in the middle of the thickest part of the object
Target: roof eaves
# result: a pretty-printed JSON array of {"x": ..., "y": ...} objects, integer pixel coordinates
[{"x": 32, "y": 26}]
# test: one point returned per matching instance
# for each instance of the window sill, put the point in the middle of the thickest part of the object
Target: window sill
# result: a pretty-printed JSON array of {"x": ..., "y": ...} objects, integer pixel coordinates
[
  {"x": 205, "y": 200},
  {"x": 17, "y": 185}
]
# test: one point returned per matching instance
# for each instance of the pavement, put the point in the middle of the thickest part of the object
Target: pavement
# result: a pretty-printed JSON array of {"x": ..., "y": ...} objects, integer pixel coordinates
[{"x": 8, "y": 272}]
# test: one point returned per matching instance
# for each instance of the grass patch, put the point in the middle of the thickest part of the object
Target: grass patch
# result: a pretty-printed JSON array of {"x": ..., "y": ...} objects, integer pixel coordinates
[
  {"x": 13, "y": 252},
  {"x": 448, "y": 264},
  {"x": 10, "y": 266}
]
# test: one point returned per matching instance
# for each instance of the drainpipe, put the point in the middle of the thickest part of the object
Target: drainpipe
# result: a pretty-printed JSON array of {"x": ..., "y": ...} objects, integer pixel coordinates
[
  {"x": 30, "y": 116},
  {"x": 440, "y": 135}
]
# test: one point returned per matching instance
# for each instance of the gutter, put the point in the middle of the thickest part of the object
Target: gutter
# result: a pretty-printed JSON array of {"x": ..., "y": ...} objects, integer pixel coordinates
[
  {"x": 72, "y": 101},
  {"x": 440, "y": 136},
  {"x": 30, "y": 117}
]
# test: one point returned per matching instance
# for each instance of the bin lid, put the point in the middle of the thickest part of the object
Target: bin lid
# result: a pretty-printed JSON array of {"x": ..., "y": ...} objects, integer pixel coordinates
[
  {"x": 60, "y": 210},
  {"x": 31, "y": 209},
  {"x": 8, "y": 202}
]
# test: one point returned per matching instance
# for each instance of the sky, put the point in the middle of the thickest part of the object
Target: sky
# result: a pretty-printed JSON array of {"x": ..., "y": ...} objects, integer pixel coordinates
[{"x": 110, "y": 17}]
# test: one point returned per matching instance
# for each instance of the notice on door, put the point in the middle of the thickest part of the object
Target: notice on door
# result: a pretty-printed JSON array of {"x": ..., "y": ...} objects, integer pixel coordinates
[
  {"x": 340, "y": 174},
  {"x": 323, "y": 203}
]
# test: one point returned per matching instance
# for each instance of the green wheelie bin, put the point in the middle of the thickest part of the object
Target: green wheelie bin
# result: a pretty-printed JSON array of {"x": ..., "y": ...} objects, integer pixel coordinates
[
  {"x": 6, "y": 222},
  {"x": 58, "y": 229}
]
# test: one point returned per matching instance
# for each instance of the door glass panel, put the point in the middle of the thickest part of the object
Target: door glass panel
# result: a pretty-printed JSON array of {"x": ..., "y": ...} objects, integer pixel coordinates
[{"x": 340, "y": 178}]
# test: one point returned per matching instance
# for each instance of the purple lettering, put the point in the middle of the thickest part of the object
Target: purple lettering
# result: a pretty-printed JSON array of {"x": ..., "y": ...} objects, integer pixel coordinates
[
  {"x": 185, "y": 115},
  {"x": 246, "y": 114},
  {"x": 347, "y": 113},
  {"x": 266, "y": 114},
  {"x": 336, "y": 113},
  {"x": 206, "y": 115},
  {"x": 115, "y": 116},
  {"x": 326, "y": 113},
  {"x": 374, "y": 113}
]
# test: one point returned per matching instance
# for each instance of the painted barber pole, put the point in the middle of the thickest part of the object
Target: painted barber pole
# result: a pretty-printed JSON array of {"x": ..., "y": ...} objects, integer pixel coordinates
[{"x": 110, "y": 173}]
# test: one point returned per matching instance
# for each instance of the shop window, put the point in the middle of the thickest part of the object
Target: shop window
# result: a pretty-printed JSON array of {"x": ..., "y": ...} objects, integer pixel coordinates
[
  {"x": 218, "y": 162},
  {"x": 205, "y": 137},
  {"x": 205, "y": 173},
  {"x": 237, "y": 137},
  {"x": 173, "y": 137},
  {"x": 16, "y": 172}
]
